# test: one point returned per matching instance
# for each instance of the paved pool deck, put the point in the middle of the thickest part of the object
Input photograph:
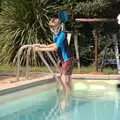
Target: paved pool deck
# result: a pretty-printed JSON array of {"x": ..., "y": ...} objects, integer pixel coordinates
[{"x": 10, "y": 81}]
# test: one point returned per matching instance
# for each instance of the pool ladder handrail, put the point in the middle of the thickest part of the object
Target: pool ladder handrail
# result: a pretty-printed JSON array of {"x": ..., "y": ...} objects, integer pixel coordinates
[{"x": 30, "y": 47}]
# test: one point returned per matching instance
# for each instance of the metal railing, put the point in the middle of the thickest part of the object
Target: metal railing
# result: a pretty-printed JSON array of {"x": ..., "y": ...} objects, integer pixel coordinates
[{"x": 29, "y": 48}]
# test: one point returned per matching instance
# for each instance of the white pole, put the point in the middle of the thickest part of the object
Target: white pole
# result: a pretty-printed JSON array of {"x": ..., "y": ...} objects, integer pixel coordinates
[
  {"x": 116, "y": 52},
  {"x": 118, "y": 18},
  {"x": 76, "y": 49}
]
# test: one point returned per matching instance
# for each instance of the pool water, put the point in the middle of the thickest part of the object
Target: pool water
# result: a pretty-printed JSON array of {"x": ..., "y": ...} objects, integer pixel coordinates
[{"x": 45, "y": 105}]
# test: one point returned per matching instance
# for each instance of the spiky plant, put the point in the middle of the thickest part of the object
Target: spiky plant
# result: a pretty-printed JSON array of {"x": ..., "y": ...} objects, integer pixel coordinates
[{"x": 22, "y": 22}]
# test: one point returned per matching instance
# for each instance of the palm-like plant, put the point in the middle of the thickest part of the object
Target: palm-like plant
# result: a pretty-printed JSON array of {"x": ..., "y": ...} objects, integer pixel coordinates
[{"x": 22, "y": 22}]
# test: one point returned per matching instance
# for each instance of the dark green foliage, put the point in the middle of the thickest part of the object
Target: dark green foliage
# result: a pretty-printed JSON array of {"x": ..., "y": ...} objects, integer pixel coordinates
[
  {"x": 26, "y": 22},
  {"x": 96, "y": 8}
]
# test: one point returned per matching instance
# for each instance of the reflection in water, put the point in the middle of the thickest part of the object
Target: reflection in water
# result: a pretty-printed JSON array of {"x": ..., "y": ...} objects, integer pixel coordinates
[
  {"x": 91, "y": 107},
  {"x": 86, "y": 106}
]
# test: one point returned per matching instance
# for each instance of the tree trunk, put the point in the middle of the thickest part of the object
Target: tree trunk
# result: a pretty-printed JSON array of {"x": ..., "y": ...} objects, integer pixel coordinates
[
  {"x": 96, "y": 49},
  {"x": 108, "y": 42}
]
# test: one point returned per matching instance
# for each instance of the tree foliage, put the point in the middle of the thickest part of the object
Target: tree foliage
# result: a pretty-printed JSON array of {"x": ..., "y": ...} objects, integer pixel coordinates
[
  {"x": 22, "y": 22},
  {"x": 26, "y": 21}
]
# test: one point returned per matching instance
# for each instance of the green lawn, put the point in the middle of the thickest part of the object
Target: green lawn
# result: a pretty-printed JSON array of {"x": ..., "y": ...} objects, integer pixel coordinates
[{"x": 9, "y": 68}]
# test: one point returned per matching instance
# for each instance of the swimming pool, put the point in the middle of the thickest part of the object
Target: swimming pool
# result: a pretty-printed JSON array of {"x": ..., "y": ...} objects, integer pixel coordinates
[{"x": 43, "y": 103}]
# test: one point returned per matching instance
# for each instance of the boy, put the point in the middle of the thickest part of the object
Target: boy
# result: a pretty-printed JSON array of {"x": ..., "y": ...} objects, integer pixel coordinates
[{"x": 60, "y": 45}]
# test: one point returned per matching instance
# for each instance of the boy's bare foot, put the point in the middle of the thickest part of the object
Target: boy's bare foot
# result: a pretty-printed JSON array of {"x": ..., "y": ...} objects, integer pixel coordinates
[{"x": 63, "y": 104}]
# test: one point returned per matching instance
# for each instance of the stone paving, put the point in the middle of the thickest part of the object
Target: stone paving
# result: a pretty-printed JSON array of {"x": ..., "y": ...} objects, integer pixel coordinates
[{"x": 10, "y": 81}]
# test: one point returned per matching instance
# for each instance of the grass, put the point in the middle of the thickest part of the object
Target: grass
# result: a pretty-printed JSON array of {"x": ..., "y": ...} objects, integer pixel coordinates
[
  {"x": 8, "y": 68},
  {"x": 83, "y": 70}
]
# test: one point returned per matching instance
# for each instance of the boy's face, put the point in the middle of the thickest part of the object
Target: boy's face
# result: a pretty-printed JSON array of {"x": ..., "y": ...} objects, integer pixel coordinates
[
  {"x": 55, "y": 29},
  {"x": 54, "y": 25}
]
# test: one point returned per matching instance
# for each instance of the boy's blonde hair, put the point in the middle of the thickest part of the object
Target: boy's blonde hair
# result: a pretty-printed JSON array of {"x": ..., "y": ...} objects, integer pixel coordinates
[{"x": 54, "y": 22}]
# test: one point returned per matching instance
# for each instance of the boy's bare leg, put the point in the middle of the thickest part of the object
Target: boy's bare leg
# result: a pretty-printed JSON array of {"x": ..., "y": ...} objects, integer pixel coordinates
[
  {"x": 66, "y": 83},
  {"x": 69, "y": 82}
]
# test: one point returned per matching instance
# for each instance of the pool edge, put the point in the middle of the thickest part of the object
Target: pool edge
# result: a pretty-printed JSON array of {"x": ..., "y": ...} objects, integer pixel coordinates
[{"x": 25, "y": 86}]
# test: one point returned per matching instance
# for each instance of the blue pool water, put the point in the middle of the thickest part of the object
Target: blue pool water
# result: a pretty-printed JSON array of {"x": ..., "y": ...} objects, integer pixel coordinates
[{"x": 45, "y": 105}]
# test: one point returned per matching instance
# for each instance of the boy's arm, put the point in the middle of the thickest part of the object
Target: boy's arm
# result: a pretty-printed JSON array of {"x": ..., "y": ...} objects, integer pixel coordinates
[{"x": 50, "y": 47}]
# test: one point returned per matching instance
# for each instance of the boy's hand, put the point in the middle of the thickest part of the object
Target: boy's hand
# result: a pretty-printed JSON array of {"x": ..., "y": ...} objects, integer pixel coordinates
[
  {"x": 42, "y": 45},
  {"x": 39, "y": 45},
  {"x": 36, "y": 48}
]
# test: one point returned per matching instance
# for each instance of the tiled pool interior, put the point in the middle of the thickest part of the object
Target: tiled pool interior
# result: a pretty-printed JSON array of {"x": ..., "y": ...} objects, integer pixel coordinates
[{"x": 43, "y": 103}]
